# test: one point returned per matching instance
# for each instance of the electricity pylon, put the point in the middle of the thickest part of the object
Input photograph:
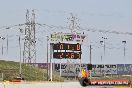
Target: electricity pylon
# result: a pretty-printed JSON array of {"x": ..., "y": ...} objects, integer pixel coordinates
[{"x": 29, "y": 53}]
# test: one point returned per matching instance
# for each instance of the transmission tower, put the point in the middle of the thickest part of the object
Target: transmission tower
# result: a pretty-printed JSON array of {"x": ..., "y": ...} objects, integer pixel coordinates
[
  {"x": 29, "y": 53},
  {"x": 73, "y": 23}
]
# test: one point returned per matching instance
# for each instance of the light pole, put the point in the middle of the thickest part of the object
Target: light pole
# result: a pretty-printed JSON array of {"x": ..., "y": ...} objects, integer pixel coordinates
[
  {"x": 103, "y": 42},
  {"x": 124, "y": 43},
  {"x": 3, "y": 38},
  {"x": 104, "y": 38}
]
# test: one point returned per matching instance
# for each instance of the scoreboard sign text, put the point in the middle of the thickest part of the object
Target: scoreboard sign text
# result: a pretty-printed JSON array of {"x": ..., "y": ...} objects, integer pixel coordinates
[
  {"x": 70, "y": 55},
  {"x": 67, "y": 46}
]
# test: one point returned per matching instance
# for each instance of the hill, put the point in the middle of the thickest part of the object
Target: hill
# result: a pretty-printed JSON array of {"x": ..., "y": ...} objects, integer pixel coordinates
[{"x": 10, "y": 70}]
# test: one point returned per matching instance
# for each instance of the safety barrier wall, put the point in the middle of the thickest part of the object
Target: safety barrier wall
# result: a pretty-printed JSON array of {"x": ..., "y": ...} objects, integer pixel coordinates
[{"x": 97, "y": 69}]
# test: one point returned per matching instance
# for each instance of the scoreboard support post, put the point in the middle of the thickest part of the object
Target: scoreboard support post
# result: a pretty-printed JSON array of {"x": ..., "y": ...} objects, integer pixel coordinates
[
  {"x": 60, "y": 67},
  {"x": 51, "y": 51}
]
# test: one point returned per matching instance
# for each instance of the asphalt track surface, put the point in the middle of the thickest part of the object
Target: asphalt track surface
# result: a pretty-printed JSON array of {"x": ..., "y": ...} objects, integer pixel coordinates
[{"x": 45, "y": 85}]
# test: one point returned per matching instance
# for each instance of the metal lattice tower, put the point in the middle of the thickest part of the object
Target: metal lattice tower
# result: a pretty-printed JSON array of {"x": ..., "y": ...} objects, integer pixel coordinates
[
  {"x": 73, "y": 23},
  {"x": 29, "y": 53}
]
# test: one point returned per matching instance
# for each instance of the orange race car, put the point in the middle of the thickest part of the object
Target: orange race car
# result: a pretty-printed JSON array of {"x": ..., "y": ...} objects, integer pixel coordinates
[{"x": 17, "y": 79}]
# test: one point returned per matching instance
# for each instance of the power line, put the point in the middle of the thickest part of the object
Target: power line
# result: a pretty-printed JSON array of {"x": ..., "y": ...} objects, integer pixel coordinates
[
  {"x": 105, "y": 31},
  {"x": 64, "y": 27},
  {"x": 9, "y": 27},
  {"x": 88, "y": 29}
]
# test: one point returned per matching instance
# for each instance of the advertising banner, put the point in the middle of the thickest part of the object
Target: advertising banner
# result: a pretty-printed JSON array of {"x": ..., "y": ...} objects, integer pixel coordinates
[
  {"x": 69, "y": 69},
  {"x": 120, "y": 69},
  {"x": 101, "y": 69},
  {"x": 66, "y": 37},
  {"x": 124, "y": 69},
  {"x": 74, "y": 69},
  {"x": 110, "y": 69}
]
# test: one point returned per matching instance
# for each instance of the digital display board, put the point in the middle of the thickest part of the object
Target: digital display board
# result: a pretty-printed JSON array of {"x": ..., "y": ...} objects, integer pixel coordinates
[
  {"x": 70, "y": 55},
  {"x": 66, "y": 46}
]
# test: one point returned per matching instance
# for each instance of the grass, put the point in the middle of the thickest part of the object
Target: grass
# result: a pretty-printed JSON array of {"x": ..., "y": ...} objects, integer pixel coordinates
[{"x": 10, "y": 70}]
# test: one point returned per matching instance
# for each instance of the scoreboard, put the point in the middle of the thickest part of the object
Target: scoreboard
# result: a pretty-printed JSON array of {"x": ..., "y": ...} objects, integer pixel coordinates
[{"x": 66, "y": 50}]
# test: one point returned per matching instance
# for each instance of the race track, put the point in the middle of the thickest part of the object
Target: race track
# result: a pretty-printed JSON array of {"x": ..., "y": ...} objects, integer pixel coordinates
[{"x": 45, "y": 85}]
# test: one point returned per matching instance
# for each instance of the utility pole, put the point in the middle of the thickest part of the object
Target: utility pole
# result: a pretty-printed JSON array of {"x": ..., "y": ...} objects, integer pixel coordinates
[
  {"x": 20, "y": 72},
  {"x": 7, "y": 44},
  {"x": 47, "y": 60},
  {"x": 90, "y": 60}
]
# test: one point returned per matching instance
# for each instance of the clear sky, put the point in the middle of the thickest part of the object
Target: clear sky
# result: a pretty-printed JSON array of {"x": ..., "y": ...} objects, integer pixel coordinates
[{"x": 97, "y": 14}]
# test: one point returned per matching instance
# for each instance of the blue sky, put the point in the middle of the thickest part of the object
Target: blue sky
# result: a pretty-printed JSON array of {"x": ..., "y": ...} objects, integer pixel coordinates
[{"x": 98, "y": 14}]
